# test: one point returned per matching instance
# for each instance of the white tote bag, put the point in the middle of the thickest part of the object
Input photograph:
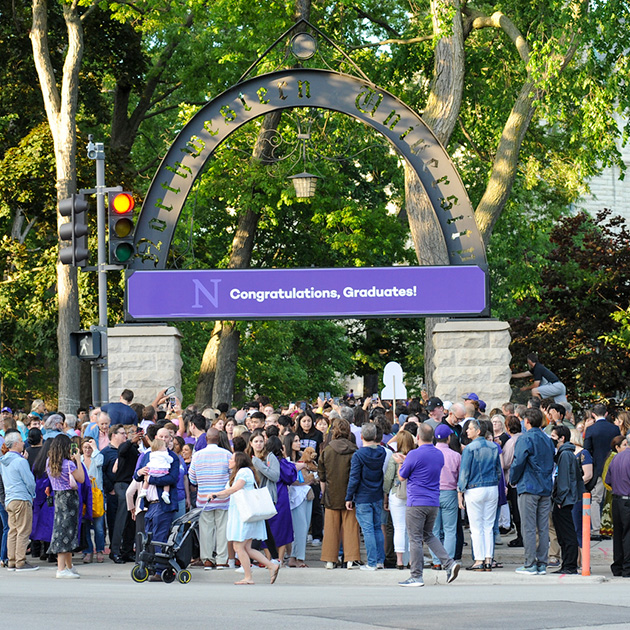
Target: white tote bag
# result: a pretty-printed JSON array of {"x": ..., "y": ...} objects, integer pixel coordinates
[{"x": 254, "y": 505}]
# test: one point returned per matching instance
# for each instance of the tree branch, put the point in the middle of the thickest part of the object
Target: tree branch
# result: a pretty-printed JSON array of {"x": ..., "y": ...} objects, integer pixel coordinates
[
  {"x": 89, "y": 10},
  {"x": 468, "y": 137},
  {"x": 411, "y": 40},
  {"x": 479, "y": 20},
  {"x": 505, "y": 164},
  {"x": 41, "y": 56},
  {"x": 381, "y": 23},
  {"x": 165, "y": 94}
]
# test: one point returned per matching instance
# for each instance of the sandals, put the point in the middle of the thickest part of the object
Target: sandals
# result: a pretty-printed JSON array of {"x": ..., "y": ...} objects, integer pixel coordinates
[
  {"x": 274, "y": 573},
  {"x": 244, "y": 582},
  {"x": 476, "y": 567},
  {"x": 496, "y": 565}
]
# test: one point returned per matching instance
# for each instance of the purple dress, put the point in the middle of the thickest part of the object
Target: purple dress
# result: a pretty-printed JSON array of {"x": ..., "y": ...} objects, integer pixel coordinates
[
  {"x": 43, "y": 514},
  {"x": 281, "y": 524}
]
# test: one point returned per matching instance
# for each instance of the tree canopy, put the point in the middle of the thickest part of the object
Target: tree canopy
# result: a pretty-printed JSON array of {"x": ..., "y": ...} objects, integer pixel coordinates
[{"x": 524, "y": 106}]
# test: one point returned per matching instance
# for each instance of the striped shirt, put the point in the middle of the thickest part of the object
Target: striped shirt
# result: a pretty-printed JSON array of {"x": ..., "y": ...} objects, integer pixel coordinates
[{"x": 209, "y": 471}]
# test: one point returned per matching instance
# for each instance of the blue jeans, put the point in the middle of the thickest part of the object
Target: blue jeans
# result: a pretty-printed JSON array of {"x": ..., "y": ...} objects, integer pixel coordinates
[
  {"x": 445, "y": 528},
  {"x": 98, "y": 525},
  {"x": 369, "y": 517},
  {"x": 4, "y": 517}
]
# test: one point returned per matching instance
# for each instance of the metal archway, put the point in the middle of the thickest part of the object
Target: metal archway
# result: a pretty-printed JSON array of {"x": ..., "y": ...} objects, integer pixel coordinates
[{"x": 289, "y": 89}]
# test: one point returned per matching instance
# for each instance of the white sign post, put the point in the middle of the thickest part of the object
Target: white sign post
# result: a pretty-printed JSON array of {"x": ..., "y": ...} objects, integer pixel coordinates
[{"x": 394, "y": 383}]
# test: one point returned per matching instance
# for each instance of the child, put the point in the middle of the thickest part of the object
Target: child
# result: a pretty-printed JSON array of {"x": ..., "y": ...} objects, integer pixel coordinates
[{"x": 159, "y": 464}]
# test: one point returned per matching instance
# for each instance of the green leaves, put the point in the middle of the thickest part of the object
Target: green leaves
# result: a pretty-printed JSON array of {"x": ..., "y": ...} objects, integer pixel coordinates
[{"x": 584, "y": 289}]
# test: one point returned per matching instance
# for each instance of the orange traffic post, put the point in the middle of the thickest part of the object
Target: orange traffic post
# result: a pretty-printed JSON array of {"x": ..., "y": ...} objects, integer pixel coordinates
[{"x": 586, "y": 533}]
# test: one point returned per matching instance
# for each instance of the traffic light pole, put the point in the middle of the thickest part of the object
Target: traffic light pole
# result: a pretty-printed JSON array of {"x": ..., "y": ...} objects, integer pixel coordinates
[{"x": 100, "y": 374}]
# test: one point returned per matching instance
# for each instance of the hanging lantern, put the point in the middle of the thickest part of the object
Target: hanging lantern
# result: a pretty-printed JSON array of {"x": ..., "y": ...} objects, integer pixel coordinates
[{"x": 304, "y": 184}]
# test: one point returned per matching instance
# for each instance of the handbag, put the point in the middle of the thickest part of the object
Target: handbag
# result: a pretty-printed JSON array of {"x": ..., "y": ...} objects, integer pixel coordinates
[
  {"x": 254, "y": 505},
  {"x": 98, "y": 504}
]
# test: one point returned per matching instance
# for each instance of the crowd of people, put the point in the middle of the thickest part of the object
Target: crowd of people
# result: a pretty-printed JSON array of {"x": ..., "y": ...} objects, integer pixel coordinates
[{"x": 399, "y": 477}]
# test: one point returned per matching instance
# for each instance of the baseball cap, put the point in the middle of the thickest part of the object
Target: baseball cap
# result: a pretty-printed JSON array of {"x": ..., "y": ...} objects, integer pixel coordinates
[
  {"x": 471, "y": 396},
  {"x": 442, "y": 431},
  {"x": 434, "y": 402},
  {"x": 482, "y": 406},
  {"x": 7, "y": 409}
]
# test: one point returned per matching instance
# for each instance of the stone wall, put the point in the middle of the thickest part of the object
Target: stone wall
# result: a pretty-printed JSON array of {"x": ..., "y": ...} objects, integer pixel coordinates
[
  {"x": 145, "y": 359},
  {"x": 472, "y": 356}
]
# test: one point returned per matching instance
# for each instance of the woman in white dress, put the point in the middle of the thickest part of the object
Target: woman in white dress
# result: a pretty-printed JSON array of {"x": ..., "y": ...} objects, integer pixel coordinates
[{"x": 243, "y": 476}]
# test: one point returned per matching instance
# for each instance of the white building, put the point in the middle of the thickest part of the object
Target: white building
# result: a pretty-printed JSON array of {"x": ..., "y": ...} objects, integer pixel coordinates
[{"x": 608, "y": 191}]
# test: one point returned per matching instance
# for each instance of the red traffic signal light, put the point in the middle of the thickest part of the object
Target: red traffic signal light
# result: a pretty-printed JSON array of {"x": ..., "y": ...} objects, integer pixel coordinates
[
  {"x": 121, "y": 203},
  {"x": 121, "y": 227}
]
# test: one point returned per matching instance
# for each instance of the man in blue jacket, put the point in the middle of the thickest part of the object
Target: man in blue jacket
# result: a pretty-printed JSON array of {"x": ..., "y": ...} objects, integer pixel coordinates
[
  {"x": 19, "y": 489},
  {"x": 531, "y": 473},
  {"x": 365, "y": 494},
  {"x": 159, "y": 516}
]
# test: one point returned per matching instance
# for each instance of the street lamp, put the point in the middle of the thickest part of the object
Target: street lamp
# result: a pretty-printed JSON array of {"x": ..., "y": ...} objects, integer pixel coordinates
[{"x": 304, "y": 184}]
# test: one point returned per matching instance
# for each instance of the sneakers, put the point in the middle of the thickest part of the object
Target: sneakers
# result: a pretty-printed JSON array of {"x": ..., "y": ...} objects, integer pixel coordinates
[
  {"x": 73, "y": 569},
  {"x": 453, "y": 572},
  {"x": 380, "y": 565},
  {"x": 533, "y": 570},
  {"x": 67, "y": 575},
  {"x": 554, "y": 563},
  {"x": 330, "y": 565},
  {"x": 208, "y": 565},
  {"x": 11, "y": 568},
  {"x": 411, "y": 582},
  {"x": 541, "y": 569},
  {"x": 352, "y": 565},
  {"x": 367, "y": 567},
  {"x": 166, "y": 497},
  {"x": 316, "y": 542},
  {"x": 27, "y": 567}
]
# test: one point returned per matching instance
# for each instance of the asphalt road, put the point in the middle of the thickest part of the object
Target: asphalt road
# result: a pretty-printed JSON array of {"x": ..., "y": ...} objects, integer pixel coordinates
[{"x": 318, "y": 599}]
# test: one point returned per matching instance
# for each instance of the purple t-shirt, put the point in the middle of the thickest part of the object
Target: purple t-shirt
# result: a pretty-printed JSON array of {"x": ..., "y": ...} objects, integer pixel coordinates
[
  {"x": 421, "y": 469},
  {"x": 63, "y": 481}
]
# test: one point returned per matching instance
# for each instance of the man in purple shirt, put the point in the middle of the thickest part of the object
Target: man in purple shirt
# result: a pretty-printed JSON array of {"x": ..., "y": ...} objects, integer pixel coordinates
[
  {"x": 421, "y": 468},
  {"x": 618, "y": 478}
]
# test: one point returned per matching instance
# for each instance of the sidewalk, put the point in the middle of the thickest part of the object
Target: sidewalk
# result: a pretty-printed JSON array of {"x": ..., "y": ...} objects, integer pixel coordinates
[{"x": 317, "y": 575}]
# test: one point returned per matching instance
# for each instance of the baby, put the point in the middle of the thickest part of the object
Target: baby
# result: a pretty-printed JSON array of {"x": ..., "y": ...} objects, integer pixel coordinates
[{"x": 159, "y": 464}]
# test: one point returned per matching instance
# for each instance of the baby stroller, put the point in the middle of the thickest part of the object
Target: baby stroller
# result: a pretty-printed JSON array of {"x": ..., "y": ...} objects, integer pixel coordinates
[{"x": 175, "y": 553}]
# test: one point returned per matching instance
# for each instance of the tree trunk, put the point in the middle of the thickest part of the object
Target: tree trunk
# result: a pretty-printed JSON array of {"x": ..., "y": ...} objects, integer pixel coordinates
[
  {"x": 61, "y": 108},
  {"x": 205, "y": 380},
  {"x": 440, "y": 115},
  {"x": 227, "y": 358},
  {"x": 217, "y": 373},
  {"x": 430, "y": 250},
  {"x": 505, "y": 164},
  {"x": 218, "y": 369}
]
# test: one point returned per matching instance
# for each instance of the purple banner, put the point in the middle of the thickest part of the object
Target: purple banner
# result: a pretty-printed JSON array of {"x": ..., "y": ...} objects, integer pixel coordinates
[{"x": 306, "y": 293}]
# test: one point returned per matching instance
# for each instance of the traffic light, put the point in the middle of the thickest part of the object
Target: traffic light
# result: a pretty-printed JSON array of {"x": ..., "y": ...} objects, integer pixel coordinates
[
  {"x": 121, "y": 248},
  {"x": 74, "y": 231}
]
